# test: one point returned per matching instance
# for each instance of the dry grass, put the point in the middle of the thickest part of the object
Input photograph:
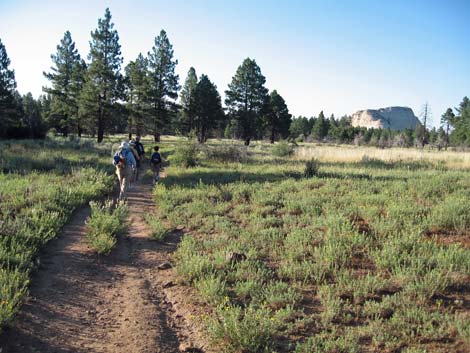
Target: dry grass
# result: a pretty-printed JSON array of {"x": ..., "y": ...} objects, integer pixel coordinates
[{"x": 345, "y": 153}]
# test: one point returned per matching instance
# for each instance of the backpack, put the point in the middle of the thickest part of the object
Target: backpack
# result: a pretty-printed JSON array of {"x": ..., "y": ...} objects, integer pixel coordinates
[
  {"x": 119, "y": 158},
  {"x": 156, "y": 159}
]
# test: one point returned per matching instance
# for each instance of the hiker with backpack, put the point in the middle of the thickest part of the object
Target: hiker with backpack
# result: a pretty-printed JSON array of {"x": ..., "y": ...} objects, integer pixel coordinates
[
  {"x": 139, "y": 147},
  {"x": 135, "y": 170},
  {"x": 124, "y": 162},
  {"x": 156, "y": 164}
]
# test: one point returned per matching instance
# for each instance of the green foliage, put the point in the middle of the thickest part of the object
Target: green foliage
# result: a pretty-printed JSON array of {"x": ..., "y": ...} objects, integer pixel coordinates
[
  {"x": 8, "y": 108},
  {"x": 277, "y": 117},
  {"x": 246, "y": 97},
  {"x": 345, "y": 259},
  {"x": 158, "y": 229},
  {"x": 105, "y": 223},
  {"x": 185, "y": 156},
  {"x": 67, "y": 79},
  {"x": 163, "y": 82},
  {"x": 282, "y": 149},
  {"x": 39, "y": 192},
  {"x": 311, "y": 168},
  {"x": 103, "y": 81}
]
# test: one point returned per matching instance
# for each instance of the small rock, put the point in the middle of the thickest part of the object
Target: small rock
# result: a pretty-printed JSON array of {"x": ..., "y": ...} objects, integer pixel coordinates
[
  {"x": 179, "y": 227},
  {"x": 165, "y": 266},
  {"x": 168, "y": 284},
  {"x": 235, "y": 257},
  {"x": 189, "y": 348}
]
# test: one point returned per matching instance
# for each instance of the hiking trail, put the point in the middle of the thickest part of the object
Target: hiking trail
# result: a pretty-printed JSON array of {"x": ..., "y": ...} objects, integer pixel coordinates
[{"x": 82, "y": 302}]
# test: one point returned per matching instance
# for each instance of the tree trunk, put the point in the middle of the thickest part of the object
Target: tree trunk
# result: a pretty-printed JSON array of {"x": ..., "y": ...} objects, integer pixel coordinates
[
  {"x": 100, "y": 125},
  {"x": 247, "y": 141},
  {"x": 79, "y": 130},
  {"x": 273, "y": 135},
  {"x": 447, "y": 136}
]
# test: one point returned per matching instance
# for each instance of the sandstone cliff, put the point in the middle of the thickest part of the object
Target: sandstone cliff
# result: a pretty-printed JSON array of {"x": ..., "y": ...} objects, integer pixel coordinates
[{"x": 395, "y": 118}]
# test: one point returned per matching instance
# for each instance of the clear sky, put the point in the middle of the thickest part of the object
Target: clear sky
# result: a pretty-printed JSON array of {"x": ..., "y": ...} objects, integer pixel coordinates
[{"x": 338, "y": 56}]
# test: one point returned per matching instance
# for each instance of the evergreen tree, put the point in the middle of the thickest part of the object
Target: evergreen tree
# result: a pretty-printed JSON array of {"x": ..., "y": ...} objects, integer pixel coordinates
[
  {"x": 138, "y": 85},
  {"x": 8, "y": 108},
  {"x": 461, "y": 123},
  {"x": 297, "y": 127},
  {"x": 104, "y": 83},
  {"x": 207, "y": 108},
  {"x": 67, "y": 78},
  {"x": 246, "y": 99},
  {"x": 447, "y": 119},
  {"x": 163, "y": 82},
  {"x": 277, "y": 117},
  {"x": 188, "y": 100},
  {"x": 31, "y": 120},
  {"x": 320, "y": 128}
]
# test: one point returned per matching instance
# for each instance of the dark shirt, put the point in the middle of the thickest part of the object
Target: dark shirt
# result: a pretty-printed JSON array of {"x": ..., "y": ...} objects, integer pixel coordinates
[{"x": 140, "y": 148}]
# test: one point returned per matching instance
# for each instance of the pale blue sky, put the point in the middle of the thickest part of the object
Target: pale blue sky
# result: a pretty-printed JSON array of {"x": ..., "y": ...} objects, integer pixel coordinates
[{"x": 337, "y": 56}]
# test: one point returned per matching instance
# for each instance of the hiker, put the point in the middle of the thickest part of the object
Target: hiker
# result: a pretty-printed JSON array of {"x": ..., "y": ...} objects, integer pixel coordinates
[
  {"x": 125, "y": 162},
  {"x": 135, "y": 170},
  {"x": 156, "y": 163},
  {"x": 139, "y": 147}
]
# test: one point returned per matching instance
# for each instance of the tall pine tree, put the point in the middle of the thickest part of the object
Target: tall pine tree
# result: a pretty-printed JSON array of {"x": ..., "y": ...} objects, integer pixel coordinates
[
  {"x": 138, "y": 85},
  {"x": 67, "y": 78},
  {"x": 104, "y": 83},
  {"x": 163, "y": 82},
  {"x": 8, "y": 107},
  {"x": 208, "y": 108},
  {"x": 188, "y": 100},
  {"x": 246, "y": 99},
  {"x": 277, "y": 117},
  {"x": 447, "y": 119},
  {"x": 320, "y": 128}
]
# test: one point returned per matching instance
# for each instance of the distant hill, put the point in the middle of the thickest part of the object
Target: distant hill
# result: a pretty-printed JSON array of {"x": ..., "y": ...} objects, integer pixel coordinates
[{"x": 395, "y": 118}]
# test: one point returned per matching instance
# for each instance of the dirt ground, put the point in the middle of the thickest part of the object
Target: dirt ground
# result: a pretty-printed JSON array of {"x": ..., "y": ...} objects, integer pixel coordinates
[{"x": 82, "y": 302}]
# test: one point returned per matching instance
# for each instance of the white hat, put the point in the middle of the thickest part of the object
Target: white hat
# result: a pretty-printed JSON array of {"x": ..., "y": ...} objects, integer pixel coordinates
[{"x": 124, "y": 145}]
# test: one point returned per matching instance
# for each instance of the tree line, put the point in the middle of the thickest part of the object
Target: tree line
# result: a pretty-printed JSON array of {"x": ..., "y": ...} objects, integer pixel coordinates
[{"x": 99, "y": 96}]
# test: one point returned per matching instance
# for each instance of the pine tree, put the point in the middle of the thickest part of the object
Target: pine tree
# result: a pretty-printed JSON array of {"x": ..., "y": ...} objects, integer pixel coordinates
[
  {"x": 246, "y": 99},
  {"x": 188, "y": 100},
  {"x": 31, "y": 120},
  {"x": 104, "y": 84},
  {"x": 461, "y": 123},
  {"x": 8, "y": 108},
  {"x": 447, "y": 119},
  {"x": 163, "y": 82},
  {"x": 320, "y": 128},
  {"x": 208, "y": 108},
  {"x": 138, "y": 85},
  {"x": 67, "y": 78},
  {"x": 277, "y": 117}
]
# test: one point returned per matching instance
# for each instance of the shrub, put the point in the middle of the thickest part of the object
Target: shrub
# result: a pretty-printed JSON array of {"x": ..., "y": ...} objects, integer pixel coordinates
[
  {"x": 311, "y": 168},
  {"x": 226, "y": 154},
  {"x": 185, "y": 156},
  {"x": 282, "y": 149},
  {"x": 104, "y": 224},
  {"x": 159, "y": 231}
]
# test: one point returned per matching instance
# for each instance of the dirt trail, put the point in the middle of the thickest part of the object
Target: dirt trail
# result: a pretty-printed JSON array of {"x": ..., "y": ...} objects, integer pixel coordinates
[{"x": 80, "y": 302}]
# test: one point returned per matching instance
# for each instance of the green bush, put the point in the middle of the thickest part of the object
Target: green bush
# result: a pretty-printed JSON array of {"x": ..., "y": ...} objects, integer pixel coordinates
[
  {"x": 185, "y": 156},
  {"x": 282, "y": 149},
  {"x": 311, "y": 168},
  {"x": 158, "y": 229},
  {"x": 104, "y": 224},
  {"x": 226, "y": 154}
]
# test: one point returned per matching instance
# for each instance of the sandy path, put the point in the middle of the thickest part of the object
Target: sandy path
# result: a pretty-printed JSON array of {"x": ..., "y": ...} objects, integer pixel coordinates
[{"x": 81, "y": 302}]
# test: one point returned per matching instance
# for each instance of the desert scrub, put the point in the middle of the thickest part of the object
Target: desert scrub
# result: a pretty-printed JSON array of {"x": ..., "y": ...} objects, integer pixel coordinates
[
  {"x": 185, "y": 155},
  {"x": 158, "y": 230},
  {"x": 282, "y": 149},
  {"x": 105, "y": 223},
  {"x": 35, "y": 205},
  {"x": 311, "y": 168},
  {"x": 353, "y": 243}
]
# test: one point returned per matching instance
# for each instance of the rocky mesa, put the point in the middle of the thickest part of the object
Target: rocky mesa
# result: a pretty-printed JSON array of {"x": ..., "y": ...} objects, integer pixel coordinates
[{"x": 395, "y": 118}]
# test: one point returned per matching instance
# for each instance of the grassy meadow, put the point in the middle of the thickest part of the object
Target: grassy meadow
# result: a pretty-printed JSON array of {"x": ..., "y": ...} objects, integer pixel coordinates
[
  {"x": 357, "y": 250},
  {"x": 41, "y": 184}
]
